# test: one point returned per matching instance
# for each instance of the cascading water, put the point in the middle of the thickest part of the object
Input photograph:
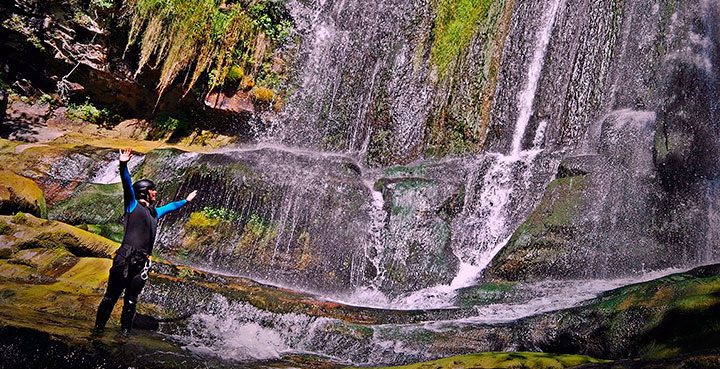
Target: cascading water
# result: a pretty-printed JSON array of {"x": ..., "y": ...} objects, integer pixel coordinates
[
  {"x": 486, "y": 223},
  {"x": 353, "y": 56},
  {"x": 496, "y": 185}
]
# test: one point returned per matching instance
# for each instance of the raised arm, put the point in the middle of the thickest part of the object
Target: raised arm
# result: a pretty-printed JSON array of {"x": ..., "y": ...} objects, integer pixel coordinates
[
  {"x": 174, "y": 205},
  {"x": 129, "y": 200}
]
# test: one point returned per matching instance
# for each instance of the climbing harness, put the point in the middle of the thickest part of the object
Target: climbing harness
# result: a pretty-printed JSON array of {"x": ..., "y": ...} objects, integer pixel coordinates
[{"x": 144, "y": 274}]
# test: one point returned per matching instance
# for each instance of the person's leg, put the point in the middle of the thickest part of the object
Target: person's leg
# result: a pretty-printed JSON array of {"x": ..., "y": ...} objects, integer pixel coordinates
[
  {"x": 132, "y": 292},
  {"x": 115, "y": 287}
]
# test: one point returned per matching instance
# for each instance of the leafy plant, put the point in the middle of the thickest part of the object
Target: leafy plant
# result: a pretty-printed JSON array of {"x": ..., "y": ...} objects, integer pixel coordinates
[
  {"x": 90, "y": 113},
  {"x": 220, "y": 213},
  {"x": 101, "y": 4},
  {"x": 272, "y": 18},
  {"x": 235, "y": 74}
]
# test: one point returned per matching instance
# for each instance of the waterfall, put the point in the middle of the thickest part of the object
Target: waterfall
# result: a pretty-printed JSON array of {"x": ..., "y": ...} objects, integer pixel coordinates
[
  {"x": 485, "y": 226},
  {"x": 526, "y": 98},
  {"x": 496, "y": 186}
]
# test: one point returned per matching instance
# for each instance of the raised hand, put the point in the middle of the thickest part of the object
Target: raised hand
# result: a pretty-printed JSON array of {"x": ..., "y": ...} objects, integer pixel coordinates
[
  {"x": 125, "y": 154},
  {"x": 191, "y": 196}
]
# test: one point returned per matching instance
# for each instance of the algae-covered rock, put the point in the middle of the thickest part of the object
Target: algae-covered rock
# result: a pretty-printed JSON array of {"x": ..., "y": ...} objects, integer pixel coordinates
[
  {"x": 416, "y": 252},
  {"x": 98, "y": 204},
  {"x": 498, "y": 360},
  {"x": 34, "y": 232},
  {"x": 18, "y": 193},
  {"x": 544, "y": 244},
  {"x": 667, "y": 317}
]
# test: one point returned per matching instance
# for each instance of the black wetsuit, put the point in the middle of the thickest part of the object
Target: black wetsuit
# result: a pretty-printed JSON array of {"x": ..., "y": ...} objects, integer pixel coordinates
[{"x": 126, "y": 273}]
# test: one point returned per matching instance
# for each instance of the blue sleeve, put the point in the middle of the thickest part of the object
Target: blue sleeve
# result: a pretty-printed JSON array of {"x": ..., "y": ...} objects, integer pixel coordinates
[
  {"x": 128, "y": 193},
  {"x": 169, "y": 207}
]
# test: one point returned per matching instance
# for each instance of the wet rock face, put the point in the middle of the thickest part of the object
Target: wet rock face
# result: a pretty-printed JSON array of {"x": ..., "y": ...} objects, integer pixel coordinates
[
  {"x": 412, "y": 249},
  {"x": 642, "y": 134},
  {"x": 637, "y": 321},
  {"x": 272, "y": 214},
  {"x": 688, "y": 129}
]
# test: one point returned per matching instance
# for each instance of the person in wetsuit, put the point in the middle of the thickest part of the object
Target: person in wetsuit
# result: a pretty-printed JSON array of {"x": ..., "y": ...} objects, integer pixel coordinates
[{"x": 132, "y": 260}]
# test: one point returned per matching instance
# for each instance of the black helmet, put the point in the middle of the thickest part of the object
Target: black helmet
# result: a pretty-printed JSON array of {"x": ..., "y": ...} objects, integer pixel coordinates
[{"x": 142, "y": 187}]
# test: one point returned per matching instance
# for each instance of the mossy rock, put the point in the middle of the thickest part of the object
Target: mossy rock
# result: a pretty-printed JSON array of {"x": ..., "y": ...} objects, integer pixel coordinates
[
  {"x": 539, "y": 247},
  {"x": 493, "y": 360},
  {"x": 34, "y": 233},
  {"x": 659, "y": 319},
  {"x": 98, "y": 204},
  {"x": 486, "y": 293},
  {"x": 20, "y": 194},
  {"x": 110, "y": 231}
]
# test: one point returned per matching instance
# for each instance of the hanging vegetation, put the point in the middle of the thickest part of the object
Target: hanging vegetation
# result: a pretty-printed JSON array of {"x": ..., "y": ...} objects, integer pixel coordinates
[{"x": 199, "y": 38}]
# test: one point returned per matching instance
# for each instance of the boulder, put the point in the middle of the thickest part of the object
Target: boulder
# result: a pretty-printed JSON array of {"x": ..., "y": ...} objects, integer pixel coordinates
[
  {"x": 20, "y": 194},
  {"x": 26, "y": 232}
]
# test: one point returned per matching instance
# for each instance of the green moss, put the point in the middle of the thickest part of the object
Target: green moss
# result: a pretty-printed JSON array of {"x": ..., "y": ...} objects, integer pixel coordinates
[
  {"x": 497, "y": 360},
  {"x": 50, "y": 240},
  {"x": 40, "y": 233},
  {"x": 91, "y": 204},
  {"x": 20, "y": 218},
  {"x": 258, "y": 233},
  {"x": 76, "y": 241},
  {"x": 557, "y": 209},
  {"x": 235, "y": 74},
  {"x": 49, "y": 261},
  {"x": 696, "y": 303},
  {"x": 5, "y": 228},
  {"x": 262, "y": 95},
  {"x": 455, "y": 25},
  {"x": 200, "y": 223},
  {"x": 20, "y": 194}
]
